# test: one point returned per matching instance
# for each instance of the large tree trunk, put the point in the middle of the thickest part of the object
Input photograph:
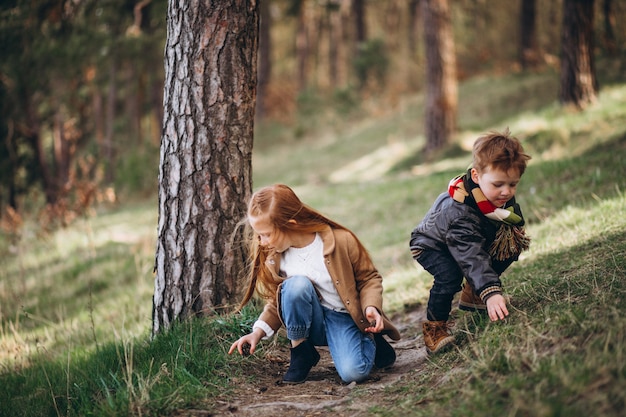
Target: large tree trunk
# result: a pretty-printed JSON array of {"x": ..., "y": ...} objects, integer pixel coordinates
[
  {"x": 206, "y": 148},
  {"x": 441, "y": 82},
  {"x": 528, "y": 49},
  {"x": 579, "y": 85}
]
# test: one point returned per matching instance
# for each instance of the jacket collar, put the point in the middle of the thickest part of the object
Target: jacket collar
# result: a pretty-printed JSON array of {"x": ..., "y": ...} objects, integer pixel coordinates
[{"x": 328, "y": 239}]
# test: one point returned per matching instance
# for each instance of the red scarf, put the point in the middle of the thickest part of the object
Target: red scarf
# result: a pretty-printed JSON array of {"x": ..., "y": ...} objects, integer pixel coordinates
[{"x": 511, "y": 237}]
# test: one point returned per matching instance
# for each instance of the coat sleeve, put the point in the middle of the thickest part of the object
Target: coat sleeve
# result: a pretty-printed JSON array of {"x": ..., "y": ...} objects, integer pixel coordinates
[
  {"x": 270, "y": 315},
  {"x": 468, "y": 247},
  {"x": 369, "y": 282}
]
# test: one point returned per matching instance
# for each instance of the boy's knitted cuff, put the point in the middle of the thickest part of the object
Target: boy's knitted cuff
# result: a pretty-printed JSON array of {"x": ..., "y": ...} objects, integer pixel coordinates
[
  {"x": 490, "y": 291},
  {"x": 416, "y": 252}
]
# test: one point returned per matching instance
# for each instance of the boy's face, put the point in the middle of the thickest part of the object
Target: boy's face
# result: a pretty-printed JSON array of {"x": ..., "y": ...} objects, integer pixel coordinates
[{"x": 497, "y": 185}]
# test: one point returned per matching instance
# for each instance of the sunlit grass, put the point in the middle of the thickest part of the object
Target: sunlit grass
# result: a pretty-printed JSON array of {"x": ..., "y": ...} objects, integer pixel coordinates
[
  {"x": 561, "y": 352},
  {"x": 77, "y": 286},
  {"x": 75, "y": 305}
]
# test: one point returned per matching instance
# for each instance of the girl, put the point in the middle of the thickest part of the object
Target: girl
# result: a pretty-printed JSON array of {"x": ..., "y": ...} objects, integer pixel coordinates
[{"x": 319, "y": 281}]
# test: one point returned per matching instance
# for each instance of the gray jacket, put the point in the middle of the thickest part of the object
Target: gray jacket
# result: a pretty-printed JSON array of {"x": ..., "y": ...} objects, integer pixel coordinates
[{"x": 463, "y": 231}]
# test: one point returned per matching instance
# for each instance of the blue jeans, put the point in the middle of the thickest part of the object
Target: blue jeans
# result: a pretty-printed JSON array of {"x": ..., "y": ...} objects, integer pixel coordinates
[{"x": 305, "y": 318}]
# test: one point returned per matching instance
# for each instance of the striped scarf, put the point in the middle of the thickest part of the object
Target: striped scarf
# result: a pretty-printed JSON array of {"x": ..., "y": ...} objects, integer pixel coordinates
[{"x": 511, "y": 237}]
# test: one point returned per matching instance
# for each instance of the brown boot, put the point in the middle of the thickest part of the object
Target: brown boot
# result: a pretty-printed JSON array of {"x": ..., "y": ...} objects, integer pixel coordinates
[
  {"x": 470, "y": 301},
  {"x": 437, "y": 335}
]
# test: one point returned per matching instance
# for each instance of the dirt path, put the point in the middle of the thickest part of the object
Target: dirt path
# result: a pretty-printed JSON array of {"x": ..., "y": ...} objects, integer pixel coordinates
[{"x": 323, "y": 391}]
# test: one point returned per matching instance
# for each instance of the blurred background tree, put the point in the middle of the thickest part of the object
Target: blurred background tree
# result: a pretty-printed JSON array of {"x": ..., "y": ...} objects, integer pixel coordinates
[
  {"x": 81, "y": 82},
  {"x": 579, "y": 84}
]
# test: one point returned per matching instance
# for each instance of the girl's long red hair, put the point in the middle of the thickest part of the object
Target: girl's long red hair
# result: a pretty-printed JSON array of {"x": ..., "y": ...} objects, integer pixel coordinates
[{"x": 280, "y": 204}]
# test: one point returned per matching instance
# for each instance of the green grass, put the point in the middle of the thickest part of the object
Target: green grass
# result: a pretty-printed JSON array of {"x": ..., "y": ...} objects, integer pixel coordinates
[
  {"x": 561, "y": 352},
  {"x": 75, "y": 304},
  {"x": 129, "y": 375}
]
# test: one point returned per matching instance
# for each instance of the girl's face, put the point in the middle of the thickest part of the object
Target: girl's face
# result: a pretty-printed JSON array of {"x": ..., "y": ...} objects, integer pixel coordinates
[
  {"x": 497, "y": 185},
  {"x": 269, "y": 235}
]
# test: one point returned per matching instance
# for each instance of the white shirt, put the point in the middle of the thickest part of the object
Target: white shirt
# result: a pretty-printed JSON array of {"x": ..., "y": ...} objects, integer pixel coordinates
[{"x": 309, "y": 261}]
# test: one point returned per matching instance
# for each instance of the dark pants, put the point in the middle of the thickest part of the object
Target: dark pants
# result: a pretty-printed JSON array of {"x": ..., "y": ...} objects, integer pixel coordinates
[{"x": 448, "y": 278}]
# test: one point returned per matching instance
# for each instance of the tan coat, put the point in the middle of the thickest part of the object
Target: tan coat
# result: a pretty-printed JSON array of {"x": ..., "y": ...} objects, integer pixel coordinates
[{"x": 356, "y": 280}]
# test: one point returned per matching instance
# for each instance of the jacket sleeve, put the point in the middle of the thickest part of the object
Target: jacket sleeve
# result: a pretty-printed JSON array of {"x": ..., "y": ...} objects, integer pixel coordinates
[
  {"x": 270, "y": 316},
  {"x": 369, "y": 282},
  {"x": 467, "y": 245}
]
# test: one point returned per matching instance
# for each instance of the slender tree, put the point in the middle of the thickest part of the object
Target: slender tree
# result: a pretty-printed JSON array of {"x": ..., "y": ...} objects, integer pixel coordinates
[
  {"x": 441, "y": 82},
  {"x": 610, "y": 42},
  {"x": 265, "y": 58},
  {"x": 303, "y": 44},
  {"x": 206, "y": 147},
  {"x": 335, "y": 35},
  {"x": 414, "y": 18},
  {"x": 358, "y": 11},
  {"x": 528, "y": 47},
  {"x": 579, "y": 85}
]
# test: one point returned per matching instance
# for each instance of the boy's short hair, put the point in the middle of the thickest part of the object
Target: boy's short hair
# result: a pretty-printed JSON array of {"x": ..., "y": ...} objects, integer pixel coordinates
[{"x": 499, "y": 151}]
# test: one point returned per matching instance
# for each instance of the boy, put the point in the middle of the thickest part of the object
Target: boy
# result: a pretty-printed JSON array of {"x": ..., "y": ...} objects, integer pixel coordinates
[{"x": 474, "y": 230}]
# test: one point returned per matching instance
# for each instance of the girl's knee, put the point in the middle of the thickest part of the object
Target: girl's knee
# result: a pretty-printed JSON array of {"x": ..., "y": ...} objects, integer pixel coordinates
[
  {"x": 354, "y": 372},
  {"x": 297, "y": 284}
]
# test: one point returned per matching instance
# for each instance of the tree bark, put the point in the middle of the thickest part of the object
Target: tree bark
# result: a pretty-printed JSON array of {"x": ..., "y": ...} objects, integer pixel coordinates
[
  {"x": 206, "y": 148},
  {"x": 579, "y": 85},
  {"x": 441, "y": 82}
]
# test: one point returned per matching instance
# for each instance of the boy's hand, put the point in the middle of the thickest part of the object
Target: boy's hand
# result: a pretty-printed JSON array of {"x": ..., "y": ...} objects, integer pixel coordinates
[{"x": 496, "y": 307}]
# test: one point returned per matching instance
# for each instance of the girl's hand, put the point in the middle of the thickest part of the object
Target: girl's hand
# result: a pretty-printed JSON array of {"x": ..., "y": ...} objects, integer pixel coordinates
[
  {"x": 496, "y": 307},
  {"x": 246, "y": 345},
  {"x": 376, "y": 320}
]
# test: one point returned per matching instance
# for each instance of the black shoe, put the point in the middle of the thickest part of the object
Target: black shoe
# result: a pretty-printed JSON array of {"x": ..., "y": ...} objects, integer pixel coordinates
[
  {"x": 303, "y": 358},
  {"x": 385, "y": 354}
]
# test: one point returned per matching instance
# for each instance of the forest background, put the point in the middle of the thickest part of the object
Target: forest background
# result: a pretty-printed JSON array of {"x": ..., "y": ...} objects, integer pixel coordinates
[
  {"x": 82, "y": 81},
  {"x": 82, "y": 86}
]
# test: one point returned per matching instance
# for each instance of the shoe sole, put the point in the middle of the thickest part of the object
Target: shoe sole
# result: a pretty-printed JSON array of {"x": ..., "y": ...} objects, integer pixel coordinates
[
  {"x": 293, "y": 382},
  {"x": 472, "y": 307},
  {"x": 443, "y": 345}
]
